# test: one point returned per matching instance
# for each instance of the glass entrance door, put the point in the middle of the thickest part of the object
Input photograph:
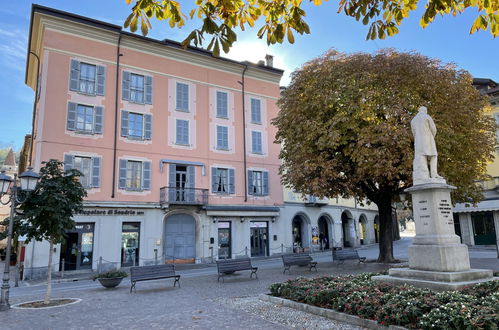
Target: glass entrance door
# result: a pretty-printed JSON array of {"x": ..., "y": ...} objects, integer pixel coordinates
[
  {"x": 259, "y": 239},
  {"x": 77, "y": 251},
  {"x": 130, "y": 238},
  {"x": 181, "y": 183},
  {"x": 224, "y": 240}
]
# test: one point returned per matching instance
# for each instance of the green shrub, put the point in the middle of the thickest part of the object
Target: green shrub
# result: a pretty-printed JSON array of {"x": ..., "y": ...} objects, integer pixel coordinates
[
  {"x": 471, "y": 308},
  {"x": 111, "y": 274}
]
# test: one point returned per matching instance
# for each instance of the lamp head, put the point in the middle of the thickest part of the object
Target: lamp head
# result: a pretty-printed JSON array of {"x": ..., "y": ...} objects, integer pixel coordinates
[
  {"x": 29, "y": 179},
  {"x": 5, "y": 182}
]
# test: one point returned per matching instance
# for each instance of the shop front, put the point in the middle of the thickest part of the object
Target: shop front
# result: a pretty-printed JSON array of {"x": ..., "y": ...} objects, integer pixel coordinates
[{"x": 77, "y": 250}]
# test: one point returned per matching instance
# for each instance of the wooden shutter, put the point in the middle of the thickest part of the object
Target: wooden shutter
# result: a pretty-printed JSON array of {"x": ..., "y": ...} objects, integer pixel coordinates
[
  {"x": 124, "y": 123},
  {"x": 147, "y": 127},
  {"x": 96, "y": 165},
  {"x": 172, "y": 184},
  {"x": 146, "y": 176},
  {"x": 232, "y": 181},
  {"x": 74, "y": 79},
  {"x": 214, "y": 179},
  {"x": 250, "y": 183},
  {"x": 99, "y": 111},
  {"x": 122, "y": 174},
  {"x": 71, "y": 123},
  {"x": 191, "y": 182},
  {"x": 125, "y": 86},
  {"x": 148, "y": 89},
  {"x": 68, "y": 162},
  {"x": 265, "y": 181},
  {"x": 101, "y": 80}
]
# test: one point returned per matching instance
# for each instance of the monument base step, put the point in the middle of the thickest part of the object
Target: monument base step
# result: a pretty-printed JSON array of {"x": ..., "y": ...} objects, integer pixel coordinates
[{"x": 436, "y": 280}]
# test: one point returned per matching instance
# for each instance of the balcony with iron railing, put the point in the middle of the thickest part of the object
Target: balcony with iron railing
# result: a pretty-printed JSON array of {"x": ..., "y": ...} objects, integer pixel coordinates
[
  {"x": 183, "y": 196},
  {"x": 311, "y": 200}
]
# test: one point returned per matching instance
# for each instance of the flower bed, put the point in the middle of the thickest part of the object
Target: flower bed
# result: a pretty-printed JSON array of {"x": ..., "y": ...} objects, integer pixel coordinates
[{"x": 475, "y": 307}]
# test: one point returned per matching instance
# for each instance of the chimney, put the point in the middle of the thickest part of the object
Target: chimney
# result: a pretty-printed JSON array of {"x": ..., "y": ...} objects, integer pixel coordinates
[{"x": 270, "y": 60}]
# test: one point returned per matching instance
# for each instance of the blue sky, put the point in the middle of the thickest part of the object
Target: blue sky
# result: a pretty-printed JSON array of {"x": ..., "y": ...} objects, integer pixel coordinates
[{"x": 447, "y": 39}]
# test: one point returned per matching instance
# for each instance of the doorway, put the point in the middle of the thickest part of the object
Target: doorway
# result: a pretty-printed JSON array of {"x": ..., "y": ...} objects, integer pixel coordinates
[
  {"x": 180, "y": 183},
  {"x": 180, "y": 239},
  {"x": 77, "y": 249},
  {"x": 259, "y": 238},
  {"x": 363, "y": 230},
  {"x": 347, "y": 228},
  {"x": 324, "y": 238},
  {"x": 224, "y": 240}
]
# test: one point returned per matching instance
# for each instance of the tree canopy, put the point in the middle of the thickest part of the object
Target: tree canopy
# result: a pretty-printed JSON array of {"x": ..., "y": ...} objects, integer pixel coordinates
[
  {"x": 344, "y": 127},
  {"x": 281, "y": 19}
]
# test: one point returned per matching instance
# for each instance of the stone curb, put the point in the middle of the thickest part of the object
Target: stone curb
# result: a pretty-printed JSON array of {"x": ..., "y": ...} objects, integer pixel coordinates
[{"x": 329, "y": 313}]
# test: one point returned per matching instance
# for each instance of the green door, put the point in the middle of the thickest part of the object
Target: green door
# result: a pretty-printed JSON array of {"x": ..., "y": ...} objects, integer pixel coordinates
[{"x": 483, "y": 228}]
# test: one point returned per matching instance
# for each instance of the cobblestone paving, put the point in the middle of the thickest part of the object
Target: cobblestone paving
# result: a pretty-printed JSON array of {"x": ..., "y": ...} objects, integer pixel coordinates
[{"x": 201, "y": 303}]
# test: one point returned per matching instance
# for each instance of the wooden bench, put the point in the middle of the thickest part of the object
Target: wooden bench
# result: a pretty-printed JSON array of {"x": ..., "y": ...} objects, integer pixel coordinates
[
  {"x": 155, "y": 272},
  {"x": 298, "y": 259},
  {"x": 229, "y": 266},
  {"x": 342, "y": 255}
]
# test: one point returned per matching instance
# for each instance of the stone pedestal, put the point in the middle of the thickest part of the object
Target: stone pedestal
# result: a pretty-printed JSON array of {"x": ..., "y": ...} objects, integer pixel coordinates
[{"x": 437, "y": 259}]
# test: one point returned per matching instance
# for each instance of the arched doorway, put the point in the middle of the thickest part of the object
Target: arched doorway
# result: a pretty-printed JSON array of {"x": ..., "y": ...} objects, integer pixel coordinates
[
  {"x": 376, "y": 229},
  {"x": 299, "y": 233},
  {"x": 180, "y": 239},
  {"x": 324, "y": 234},
  {"x": 347, "y": 229},
  {"x": 363, "y": 229}
]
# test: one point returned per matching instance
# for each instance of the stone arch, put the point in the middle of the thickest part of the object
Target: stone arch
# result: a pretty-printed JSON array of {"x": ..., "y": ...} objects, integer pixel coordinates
[
  {"x": 325, "y": 224},
  {"x": 179, "y": 236},
  {"x": 348, "y": 229},
  {"x": 363, "y": 229},
  {"x": 300, "y": 227}
]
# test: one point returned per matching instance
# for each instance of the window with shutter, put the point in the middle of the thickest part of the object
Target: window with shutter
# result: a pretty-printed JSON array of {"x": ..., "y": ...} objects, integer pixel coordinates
[
  {"x": 222, "y": 137},
  {"x": 258, "y": 183},
  {"x": 256, "y": 142},
  {"x": 256, "y": 116},
  {"x": 84, "y": 165},
  {"x": 86, "y": 84},
  {"x": 222, "y": 105},
  {"x": 182, "y": 101},
  {"x": 182, "y": 133},
  {"x": 134, "y": 175},
  {"x": 137, "y": 88}
]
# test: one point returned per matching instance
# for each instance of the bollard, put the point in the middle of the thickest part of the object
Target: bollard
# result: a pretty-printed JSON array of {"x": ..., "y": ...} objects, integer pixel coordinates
[
  {"x": 246, "y": 250},
  {"x": 99, "y": 266},
  {"x": 282, "y": 248},
  {"x": 155, "y": 256},
  {"x": 63, "y": 267},
  {"x": 211, "y": 252}
]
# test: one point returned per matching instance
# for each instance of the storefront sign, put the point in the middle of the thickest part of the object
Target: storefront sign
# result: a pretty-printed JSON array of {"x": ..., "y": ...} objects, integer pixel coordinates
[
  {"x": 110, "y": 212},
  {"x": 224, "y": 224},
  {"x": 259, "y": 224}
]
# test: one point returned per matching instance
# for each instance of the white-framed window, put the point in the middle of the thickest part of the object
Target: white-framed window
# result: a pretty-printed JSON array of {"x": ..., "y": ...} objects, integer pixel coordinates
[
  {"x": 222, "y": 105},
  {"x": 134, "y": 175},
  {"x": 136, "y": 126},
  {"x": 89, "y": 166},
  {"x": 136, "y": 88},
  {"x": 222, "y": 137},
  {"x": 256, "y": 112},
  {"x": 222, "y": 180},
  {"x": 182, "y": 100},
  {"x": 182, "y": 132},
  {"x": 86, "y": 78},
  {"x": 84, "y": 118},
  {"x": 258, "y": 183},
  {"x": 256, "y": 142}
]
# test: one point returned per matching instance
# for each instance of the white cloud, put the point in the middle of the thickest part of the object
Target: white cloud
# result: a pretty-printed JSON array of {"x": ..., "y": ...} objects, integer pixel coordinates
[
  {"x": 255, "y": 51},
  {"x": 13, "y": 49}
]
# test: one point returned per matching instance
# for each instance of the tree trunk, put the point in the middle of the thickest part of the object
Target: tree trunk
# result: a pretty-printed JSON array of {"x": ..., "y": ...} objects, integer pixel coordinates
[
  {"x": 49, "y": 275},
  {"x": 385, "y": 230}
]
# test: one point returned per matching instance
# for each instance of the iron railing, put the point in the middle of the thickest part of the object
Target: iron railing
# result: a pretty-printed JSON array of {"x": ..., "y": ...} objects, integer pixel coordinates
[{"x": 184, "y": 196}]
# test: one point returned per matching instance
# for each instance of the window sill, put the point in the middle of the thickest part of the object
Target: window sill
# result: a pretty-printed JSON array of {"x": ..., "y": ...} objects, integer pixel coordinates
[
  {"x": 257, "y": 153},
  {"x": 135, "y": 138},
  {"x": 222, "y": 149},
  {"x": 136, "y": 102},
  {"x": 223, "y": 117},
  {"x": 133, "y": 189},
  {"x": 86, "y": 94},
  {"x": 83, "y": 132},
  {"x": 256, "y": 122},
  {"x": 183, "y": 144},
  {"x": 182, "y": 110}
]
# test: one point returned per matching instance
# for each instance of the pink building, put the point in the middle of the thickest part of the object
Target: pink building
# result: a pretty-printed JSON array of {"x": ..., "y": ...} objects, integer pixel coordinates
[{"x": 175, "y": 145}]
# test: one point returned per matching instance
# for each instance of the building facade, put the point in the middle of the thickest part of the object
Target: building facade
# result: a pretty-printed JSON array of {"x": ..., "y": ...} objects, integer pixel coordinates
[
  {"x": 479, "y": 225},
  {"x": 176, "y": 150}
]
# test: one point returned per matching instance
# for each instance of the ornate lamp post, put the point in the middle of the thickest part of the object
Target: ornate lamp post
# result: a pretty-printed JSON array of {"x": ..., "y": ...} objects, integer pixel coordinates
[{"x": 28, "y": 180}]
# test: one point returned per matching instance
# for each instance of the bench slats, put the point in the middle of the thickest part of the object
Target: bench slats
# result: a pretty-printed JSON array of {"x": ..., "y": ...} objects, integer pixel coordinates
[
  {"x": 298, "y": 259},
  {"x": 154, "y": 272},
  {"x": 342, "y": 255},
  {"x": 232, "y": 265}
]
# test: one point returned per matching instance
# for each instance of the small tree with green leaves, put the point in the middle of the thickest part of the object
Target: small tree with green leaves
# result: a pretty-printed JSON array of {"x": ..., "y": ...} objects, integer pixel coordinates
[{"x": 48, "y": 211}]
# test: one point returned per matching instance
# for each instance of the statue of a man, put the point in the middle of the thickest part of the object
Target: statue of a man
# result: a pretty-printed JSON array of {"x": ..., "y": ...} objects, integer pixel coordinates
[{"x": 424, "y": 130}]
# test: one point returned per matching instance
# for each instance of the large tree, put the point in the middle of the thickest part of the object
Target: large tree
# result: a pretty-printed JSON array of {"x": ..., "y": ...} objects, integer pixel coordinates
[
  {"x": 281, "y": 18},
  {"x": 344, "y": 127},
  {"x": 48, "y": 211}
]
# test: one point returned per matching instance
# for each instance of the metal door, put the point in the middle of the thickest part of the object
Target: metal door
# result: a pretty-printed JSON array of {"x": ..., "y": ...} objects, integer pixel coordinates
[
  {"x": 259, "y": 242},
  {"x": 180, "y": 237}
]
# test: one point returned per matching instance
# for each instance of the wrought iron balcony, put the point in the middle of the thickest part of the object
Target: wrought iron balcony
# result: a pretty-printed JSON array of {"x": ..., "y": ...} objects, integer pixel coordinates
[
  {"x": 311, "y": 200},
  {"x": 184, "y": 196}
]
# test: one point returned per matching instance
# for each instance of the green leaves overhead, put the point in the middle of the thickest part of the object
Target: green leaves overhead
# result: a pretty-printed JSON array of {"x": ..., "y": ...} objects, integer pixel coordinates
[{"x": 279, "y": 20}]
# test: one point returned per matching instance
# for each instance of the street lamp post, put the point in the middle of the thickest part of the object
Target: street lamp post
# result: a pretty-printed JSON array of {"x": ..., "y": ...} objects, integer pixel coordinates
[{"x": 28, "y": 183}]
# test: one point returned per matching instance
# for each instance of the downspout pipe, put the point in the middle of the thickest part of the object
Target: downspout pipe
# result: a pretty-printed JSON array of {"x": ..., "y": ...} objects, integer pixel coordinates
[
  {"x": 34, "y": 107},
  {"x": 244, "y": 136},
  {"x": 116, "y": 111}
]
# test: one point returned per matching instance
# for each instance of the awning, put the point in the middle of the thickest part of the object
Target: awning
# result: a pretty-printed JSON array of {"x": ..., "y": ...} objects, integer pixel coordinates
[{"x": 487, "y": 205}]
